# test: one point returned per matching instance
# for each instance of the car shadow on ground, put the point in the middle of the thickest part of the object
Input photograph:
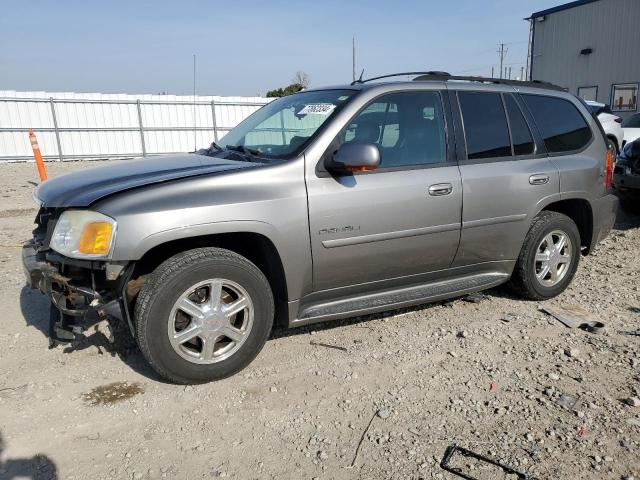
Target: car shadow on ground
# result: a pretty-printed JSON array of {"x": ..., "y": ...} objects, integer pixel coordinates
[
  {"x": 626, "y": 220},
  {"x": 37, "y": 467},
  {"x": 35, "y": 310}
]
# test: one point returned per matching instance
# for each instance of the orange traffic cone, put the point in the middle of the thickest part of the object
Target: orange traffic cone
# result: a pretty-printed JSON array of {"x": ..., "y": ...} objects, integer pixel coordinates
[{"x": 38, "y": 156}]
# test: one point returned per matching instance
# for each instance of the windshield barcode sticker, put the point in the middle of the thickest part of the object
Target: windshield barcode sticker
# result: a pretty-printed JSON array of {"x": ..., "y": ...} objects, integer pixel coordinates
[{"x": 317, "y": 109}]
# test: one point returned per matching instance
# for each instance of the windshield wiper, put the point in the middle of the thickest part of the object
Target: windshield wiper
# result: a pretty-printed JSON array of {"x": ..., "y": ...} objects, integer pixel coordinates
[
  {"x": 215, "y": 146},
  {"x": 252, "y": 152}
]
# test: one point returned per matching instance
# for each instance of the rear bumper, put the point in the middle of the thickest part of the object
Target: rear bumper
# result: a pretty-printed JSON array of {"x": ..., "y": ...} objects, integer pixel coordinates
[
  {"x": 81, "y": 305},
  {"x": 605, "y": 210}
]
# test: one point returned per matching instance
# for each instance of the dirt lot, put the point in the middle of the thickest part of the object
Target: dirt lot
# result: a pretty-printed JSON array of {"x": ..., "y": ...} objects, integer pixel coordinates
[{"x": 496, "y": 376}]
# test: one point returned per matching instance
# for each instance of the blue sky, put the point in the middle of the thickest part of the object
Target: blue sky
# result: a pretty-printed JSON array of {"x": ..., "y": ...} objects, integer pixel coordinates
[{"x": 248, "y": 47}]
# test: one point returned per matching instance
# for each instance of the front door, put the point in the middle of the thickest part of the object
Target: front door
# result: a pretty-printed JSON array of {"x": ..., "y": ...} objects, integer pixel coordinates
[{"x": 399, "y": 221}]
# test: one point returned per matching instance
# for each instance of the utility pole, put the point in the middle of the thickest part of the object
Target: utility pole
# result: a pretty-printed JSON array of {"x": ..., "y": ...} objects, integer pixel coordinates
[
  {"x": 353, "y": 58},
  {"x": 521, "y": 73},
  {"x": 195, "y": 132},
  {"x": 492, "y": 72},
  {"x": 503, "y": 52}
]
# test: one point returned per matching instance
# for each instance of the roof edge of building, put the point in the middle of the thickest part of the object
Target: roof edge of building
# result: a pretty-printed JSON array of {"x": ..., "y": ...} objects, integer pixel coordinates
[{"x": 560, "y": 8}]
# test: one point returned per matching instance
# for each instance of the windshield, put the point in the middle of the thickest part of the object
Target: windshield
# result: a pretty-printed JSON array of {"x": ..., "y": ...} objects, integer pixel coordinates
[{"x": 283, "y": 127}]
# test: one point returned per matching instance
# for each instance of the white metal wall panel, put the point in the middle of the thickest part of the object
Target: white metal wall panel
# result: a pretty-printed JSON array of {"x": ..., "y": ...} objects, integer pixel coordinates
[
  {"x": 96, "y": 125},
  {"x": 608, "y": 27}
]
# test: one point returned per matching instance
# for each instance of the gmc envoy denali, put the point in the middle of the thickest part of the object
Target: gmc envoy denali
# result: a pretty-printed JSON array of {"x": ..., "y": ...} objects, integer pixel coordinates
[{"x": 325, "y": 204}]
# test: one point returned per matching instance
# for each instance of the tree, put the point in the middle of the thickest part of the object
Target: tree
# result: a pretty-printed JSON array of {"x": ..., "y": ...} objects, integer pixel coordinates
[
  {"x": 300, "y": 82},
  {"x": 301, "y": 78}
]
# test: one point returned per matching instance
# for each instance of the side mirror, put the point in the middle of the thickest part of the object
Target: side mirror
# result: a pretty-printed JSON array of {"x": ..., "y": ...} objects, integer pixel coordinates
[{"x": 355, "y": 157}]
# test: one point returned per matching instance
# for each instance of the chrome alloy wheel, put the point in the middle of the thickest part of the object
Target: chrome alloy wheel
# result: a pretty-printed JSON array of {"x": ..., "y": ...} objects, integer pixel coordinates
[
  {"x": 210, "y": 321},
  {"x": 553, "y": 258}
]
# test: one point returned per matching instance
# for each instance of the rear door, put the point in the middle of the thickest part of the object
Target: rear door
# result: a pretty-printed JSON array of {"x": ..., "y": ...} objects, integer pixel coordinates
[
  {"x": 390, "y": 225},
  {"x": 505, "y": 176}
]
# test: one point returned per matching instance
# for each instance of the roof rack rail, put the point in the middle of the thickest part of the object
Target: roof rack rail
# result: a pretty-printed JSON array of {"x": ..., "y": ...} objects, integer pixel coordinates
[
  {"x": 355, "y": 82},
  {"x": 444, "y": 77},
  {"x": 501, "y": 81}
]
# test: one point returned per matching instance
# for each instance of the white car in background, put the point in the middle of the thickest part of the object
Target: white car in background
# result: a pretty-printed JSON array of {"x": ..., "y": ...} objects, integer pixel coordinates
[
  {"x": 631, "y": 127},
  {"x": 610, "y": 123}
]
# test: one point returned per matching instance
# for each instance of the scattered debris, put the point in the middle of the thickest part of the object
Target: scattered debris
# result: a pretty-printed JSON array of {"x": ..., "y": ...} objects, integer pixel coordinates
[
  {"x": 632, "y": 401},
  {"x": 383, "y": 413},
  {"x": 573, "y": 316},
  {"x": 582, "y": 431},
  {"x": 493, "y": 386},
  {"x": 508, "y": 317},
  {"x": 475, "y": 297},
  {"x": 633, "y": 421},
  {"x": 320, "y": 344},
  {"x": 571, "y": 352},
  {"x": 112, "y": 393},
  {"x": 453, "y": 449},
  {"x": 567, "y": 401},
  {"x": 364, "y": 434}
]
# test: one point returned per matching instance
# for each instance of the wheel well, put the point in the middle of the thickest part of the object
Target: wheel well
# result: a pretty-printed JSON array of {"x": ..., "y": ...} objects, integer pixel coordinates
[
  {"x": 615, "y": 141},
  {"x": 255, "y": 247},
  {"x": 579, "y": 211}
]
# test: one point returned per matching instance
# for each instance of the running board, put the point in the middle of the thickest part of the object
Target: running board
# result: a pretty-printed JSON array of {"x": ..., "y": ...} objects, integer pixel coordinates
[{"x": 401, "y": 297}]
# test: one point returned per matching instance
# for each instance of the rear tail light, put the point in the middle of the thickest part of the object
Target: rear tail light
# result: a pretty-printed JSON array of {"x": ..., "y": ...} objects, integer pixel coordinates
[
  {"x": 617, "y": 120},
  {"x": 608, "y": 165}
]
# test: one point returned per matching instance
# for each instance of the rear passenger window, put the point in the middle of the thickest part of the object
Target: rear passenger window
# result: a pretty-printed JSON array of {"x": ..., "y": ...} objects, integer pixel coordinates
[
  {"x": 562, "y": 126},
  {"x": 520, "y": 133},
  {"x": 485, "y": 125}
]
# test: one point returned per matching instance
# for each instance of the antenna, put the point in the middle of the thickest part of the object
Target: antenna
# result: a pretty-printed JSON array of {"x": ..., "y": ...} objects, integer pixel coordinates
[
  {"x": 361, "y": 74},
  {"x": 353, "y": 58},
  {"x": 195, "y": 132}
]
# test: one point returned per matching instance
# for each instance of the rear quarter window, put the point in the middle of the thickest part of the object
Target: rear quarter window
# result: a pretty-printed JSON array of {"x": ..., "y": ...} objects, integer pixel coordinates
[{"x": 562, "y": 126}]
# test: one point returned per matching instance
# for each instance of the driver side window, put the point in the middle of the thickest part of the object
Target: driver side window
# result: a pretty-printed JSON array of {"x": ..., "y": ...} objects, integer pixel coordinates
[{"x": 407, "y": 128}]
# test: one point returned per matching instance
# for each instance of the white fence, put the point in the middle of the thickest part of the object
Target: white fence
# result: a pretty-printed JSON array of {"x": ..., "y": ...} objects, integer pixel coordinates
[{"x": 95, "y": 125}]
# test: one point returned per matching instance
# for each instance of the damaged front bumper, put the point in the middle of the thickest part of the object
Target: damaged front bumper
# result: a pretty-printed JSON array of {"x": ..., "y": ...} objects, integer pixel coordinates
[{"x": 80, "y": 306}]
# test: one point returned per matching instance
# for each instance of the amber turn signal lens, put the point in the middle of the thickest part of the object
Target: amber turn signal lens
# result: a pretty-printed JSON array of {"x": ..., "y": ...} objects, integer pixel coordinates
[
  {"x": 362, "y": 168},
  {"x": 96, "y": 238}
]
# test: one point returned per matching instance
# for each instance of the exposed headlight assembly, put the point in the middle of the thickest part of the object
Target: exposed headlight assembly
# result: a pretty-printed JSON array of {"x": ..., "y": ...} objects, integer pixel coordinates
[{"x": 84, "y": 234}]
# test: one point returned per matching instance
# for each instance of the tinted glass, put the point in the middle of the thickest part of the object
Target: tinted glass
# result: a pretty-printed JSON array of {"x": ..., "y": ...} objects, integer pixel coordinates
[
  {"x": 485, "y": 125},
  {"x": 407, "y": 127},
  {"x": 562, "y": 126},
  {"x": 632, "y": 122},
  {"x": 520, "y": 134}
]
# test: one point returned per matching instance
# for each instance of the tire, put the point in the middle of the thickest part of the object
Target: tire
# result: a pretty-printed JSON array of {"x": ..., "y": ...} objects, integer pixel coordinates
[
  {"x": 525, "y": 279},
  {"x": 160, "y": 318}
]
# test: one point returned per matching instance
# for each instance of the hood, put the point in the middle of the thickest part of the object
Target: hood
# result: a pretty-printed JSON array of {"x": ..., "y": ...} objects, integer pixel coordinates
[{"x": 82, "y": 188}]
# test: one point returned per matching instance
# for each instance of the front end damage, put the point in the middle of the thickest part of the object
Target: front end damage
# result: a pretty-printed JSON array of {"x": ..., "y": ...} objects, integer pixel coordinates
[{"x": 82, "y": 292}]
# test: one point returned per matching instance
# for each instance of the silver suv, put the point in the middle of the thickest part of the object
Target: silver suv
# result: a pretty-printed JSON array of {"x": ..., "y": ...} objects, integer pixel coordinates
[{"x": 326, "y": 204}]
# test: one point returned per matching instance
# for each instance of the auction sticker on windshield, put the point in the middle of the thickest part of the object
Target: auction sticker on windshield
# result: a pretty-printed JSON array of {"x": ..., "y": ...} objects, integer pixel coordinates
[{"x": 317, "y": 109}]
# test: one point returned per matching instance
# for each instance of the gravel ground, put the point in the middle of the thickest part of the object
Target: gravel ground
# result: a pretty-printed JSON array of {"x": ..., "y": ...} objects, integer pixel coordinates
[{"x": 490, "y": 373}]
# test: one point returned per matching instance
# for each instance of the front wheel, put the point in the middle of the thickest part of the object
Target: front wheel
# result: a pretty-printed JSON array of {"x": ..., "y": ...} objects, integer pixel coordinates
[
  {"x": 203, "y": 315},
  {"x": 549, "y": 257}
]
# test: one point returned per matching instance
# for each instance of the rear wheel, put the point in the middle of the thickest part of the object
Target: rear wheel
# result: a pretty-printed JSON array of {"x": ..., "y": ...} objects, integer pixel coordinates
[
  {"x": 549, "y": 257},
  {"x": 203, "y": 315}
]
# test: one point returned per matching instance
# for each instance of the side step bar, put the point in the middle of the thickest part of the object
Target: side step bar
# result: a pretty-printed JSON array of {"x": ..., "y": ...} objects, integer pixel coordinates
[{"x": 402, "y": 297}]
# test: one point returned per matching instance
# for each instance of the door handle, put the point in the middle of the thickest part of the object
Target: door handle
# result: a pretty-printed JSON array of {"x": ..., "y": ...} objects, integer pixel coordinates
[
  {"x": 440, "y": 189},
  {"x": 539, "y": 179}
]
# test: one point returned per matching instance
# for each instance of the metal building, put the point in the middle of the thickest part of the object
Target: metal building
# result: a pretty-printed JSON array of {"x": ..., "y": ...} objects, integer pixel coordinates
[{"x": 591, "y": 47}]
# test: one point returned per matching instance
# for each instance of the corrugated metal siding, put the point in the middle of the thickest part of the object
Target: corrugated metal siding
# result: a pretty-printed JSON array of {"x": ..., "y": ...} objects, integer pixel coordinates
[
  {"x": 112, "y": 128},
  {"x": 609, "y": 27}
]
